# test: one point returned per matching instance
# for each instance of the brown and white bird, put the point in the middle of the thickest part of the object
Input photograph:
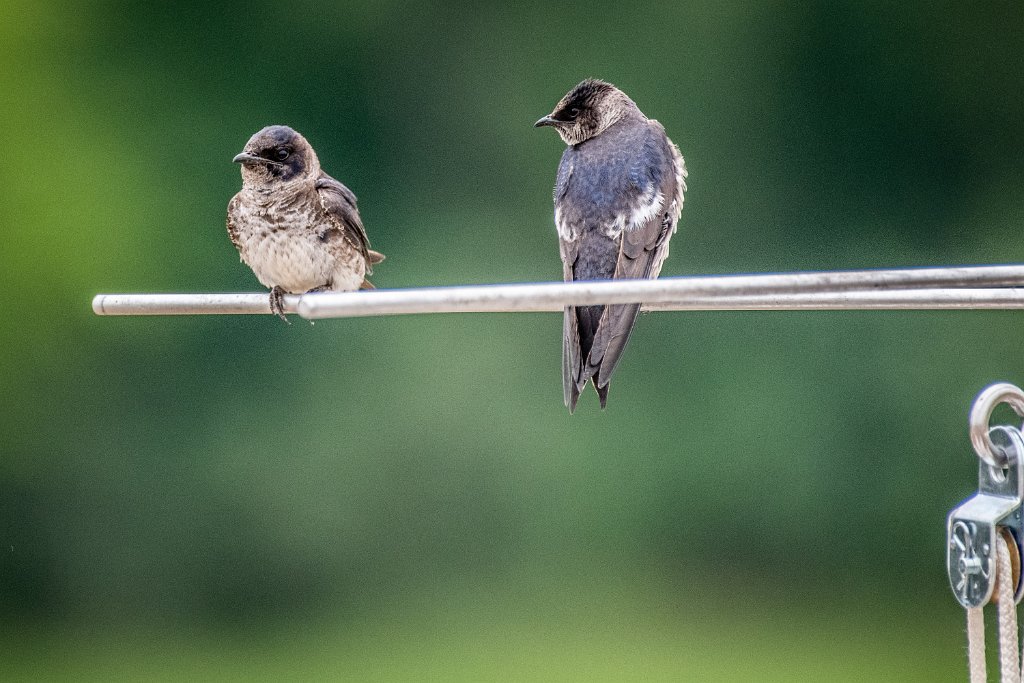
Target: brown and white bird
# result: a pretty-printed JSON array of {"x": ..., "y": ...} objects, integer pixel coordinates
[
  {"x": 618, "y": 196},
  {"x": 295, "y": 226}
]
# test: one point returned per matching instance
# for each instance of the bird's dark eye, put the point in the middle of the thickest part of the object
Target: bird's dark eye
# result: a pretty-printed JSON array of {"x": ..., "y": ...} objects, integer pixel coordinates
[
  {"x": 574, "y": 112},
  {"x": 282, "y": 154}
]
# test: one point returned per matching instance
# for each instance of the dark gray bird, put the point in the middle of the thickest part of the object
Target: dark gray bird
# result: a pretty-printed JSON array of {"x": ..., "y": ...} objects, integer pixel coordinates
[
  {"x": 295, "y": 226},
  {"x": 618, "y": 195}
]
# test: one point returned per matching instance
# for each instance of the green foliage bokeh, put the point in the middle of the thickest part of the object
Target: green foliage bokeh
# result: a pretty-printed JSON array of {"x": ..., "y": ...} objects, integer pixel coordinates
[{"x": 239, "y": 472}]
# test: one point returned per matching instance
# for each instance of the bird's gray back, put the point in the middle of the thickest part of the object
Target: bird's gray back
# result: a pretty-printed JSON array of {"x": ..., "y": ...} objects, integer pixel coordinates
[{"x": 610, "y": 182}]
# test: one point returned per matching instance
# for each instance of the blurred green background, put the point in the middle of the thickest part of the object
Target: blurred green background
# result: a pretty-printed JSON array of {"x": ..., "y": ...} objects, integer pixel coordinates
[{"x": 407, "y": 498}]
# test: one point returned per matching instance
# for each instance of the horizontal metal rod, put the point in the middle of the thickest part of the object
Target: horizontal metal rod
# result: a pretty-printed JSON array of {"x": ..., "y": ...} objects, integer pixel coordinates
[
  {"x": 671, "y": 290},
  {"x": 679, "y": 293},
  {"x": 509, "y": 300},
  {"x": 859, "y": 300},
  {"x": 987, "y": 287},
  {"x": 854, "y": 300},
  {"x": 188, "y": 304}
]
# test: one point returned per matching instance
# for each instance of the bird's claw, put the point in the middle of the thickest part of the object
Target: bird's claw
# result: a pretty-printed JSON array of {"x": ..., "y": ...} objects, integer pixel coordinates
[
  {"x": 315, "y": 290},
  {"x": 277, "y": 304}
]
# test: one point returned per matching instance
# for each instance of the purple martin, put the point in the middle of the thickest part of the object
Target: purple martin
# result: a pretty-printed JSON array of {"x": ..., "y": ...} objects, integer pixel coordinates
[
  {"x": 295, "y": 226},
  {"x": 618, "y": 195}
]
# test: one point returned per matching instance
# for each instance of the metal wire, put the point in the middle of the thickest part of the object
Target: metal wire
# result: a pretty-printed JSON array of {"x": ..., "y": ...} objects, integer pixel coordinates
[{"x": 967, "y": 287}]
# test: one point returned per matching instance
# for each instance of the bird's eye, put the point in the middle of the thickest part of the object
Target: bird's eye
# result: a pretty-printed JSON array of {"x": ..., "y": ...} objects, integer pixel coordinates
[
  {"x": 574, "y": 112},
  {"x": 282, "y": 154}
]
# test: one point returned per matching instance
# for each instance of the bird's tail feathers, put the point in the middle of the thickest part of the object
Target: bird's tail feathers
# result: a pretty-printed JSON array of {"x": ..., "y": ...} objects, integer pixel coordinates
[
  {"x": 588, "y": 319},
  {"x": 575, "y": 390},
  {"x": 610, "y": 341},
  {"x": 366, "y": 284},
  {"x": 571, "y": 361},
  {"x": 572, "y": 397}
]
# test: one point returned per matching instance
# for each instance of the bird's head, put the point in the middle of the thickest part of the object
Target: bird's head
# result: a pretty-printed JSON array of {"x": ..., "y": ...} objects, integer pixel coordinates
[
  {"x": 277, "y": 155},
  {"x": 587, "y": 110}
]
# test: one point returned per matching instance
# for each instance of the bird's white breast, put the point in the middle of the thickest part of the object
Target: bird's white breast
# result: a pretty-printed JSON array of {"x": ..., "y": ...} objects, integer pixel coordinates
[{"x": 284, "y": 249}]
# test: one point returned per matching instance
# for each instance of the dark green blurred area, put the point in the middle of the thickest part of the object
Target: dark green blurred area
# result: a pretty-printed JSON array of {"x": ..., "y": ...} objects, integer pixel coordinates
[{"x": 407, "y": 498}]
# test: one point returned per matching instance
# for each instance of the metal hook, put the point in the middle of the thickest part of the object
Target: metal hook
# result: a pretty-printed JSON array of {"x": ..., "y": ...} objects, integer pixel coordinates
[{"x": 981, "y": 413}]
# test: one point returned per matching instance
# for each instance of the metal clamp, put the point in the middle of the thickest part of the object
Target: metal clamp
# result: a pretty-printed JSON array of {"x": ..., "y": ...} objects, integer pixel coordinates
[{"x": 972, "y": 527}]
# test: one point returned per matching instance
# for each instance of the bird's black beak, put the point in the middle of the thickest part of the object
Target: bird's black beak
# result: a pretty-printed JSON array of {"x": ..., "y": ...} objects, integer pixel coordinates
[
  {"x": 246, "y": 158},
  {"x": 546, "y": 121}
]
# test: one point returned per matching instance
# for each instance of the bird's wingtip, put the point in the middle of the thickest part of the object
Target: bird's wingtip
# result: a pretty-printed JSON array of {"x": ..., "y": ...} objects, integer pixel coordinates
[{"x": 571, "y": 399}]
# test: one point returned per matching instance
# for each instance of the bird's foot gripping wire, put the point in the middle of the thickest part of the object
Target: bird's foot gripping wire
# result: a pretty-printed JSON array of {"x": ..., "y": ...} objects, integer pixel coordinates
[
  {"x": 316, "y": 290},
  {"x": 277, "y": 303}
]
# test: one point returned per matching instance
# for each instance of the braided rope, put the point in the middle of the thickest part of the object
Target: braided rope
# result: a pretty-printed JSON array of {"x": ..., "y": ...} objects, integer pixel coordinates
[{"x": 1009, "y": 652}]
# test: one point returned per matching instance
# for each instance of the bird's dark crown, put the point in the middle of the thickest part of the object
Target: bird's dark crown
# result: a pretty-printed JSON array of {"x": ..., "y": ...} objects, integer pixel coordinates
[
  {"x": 587, "y": 110},
  {"x": 276, "y": 153},
  {"x": 585, "y": 96}
]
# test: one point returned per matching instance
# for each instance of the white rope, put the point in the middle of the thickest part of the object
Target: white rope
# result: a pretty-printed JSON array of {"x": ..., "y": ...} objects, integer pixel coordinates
[
  {"x": 976, "y": 644},
  {"x": 1009, "y": 654},
  {"x": 1009, "y": 648}
]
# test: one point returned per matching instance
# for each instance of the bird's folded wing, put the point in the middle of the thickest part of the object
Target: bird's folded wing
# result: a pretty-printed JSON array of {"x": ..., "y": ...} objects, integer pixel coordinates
[
  {"x": 232, "y": 227},
  {"x": 339, "y": 203},
  {"x": 643, "y": 248},
  {"x": 571, "y": 361}
]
